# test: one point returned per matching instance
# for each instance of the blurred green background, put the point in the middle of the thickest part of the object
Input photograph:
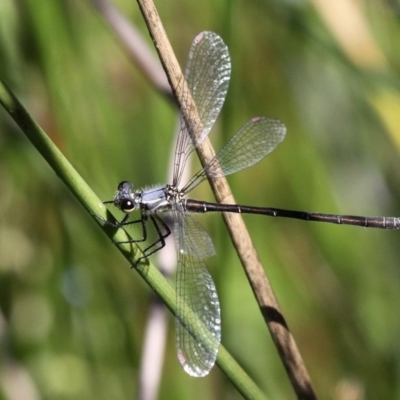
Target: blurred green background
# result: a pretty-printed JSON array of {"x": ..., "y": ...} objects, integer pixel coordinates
[{"x": 73, "y": 315}]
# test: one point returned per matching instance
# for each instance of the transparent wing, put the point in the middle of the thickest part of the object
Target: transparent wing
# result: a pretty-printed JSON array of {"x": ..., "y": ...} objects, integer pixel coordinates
[
  {"x": 257, "y": 138},
  {"x": 196, "y": 234},
  {"x": 197, "y": 302},
  {"x": 207, "y": 75}
]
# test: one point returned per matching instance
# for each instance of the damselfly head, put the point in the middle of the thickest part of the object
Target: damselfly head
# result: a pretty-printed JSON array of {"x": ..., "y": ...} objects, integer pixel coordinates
[{"x": 124, "y": 197}]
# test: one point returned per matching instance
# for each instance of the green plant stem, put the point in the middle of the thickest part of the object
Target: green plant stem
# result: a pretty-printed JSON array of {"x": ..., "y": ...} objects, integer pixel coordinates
[{"x": 94, "y": 205}]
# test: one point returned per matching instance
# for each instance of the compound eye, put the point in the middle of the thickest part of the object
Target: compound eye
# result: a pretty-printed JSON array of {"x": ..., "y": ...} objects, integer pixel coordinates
[{"x": 127, "y": 205}]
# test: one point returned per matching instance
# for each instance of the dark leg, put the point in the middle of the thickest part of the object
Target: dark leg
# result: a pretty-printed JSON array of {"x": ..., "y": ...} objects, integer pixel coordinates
[
  {"x": 123, "y": 223},
  {"x": 163, "y": 232},
  {"x": 160, "y": 226}
]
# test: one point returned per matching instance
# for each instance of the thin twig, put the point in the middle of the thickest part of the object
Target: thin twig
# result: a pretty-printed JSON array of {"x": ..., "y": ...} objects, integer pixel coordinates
[
  {"x": 262, "y": 289},
  {"x": 135, "y": 46},
  {"x": 152, "y": 360}
]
